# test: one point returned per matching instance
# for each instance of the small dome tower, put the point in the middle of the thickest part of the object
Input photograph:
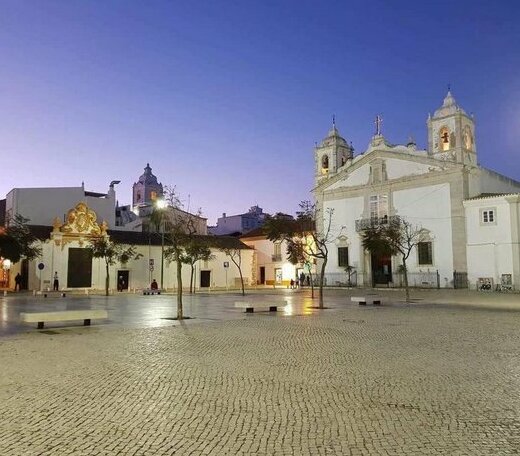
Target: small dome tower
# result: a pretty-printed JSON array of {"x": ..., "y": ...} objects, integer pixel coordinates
[{"x": 331, "y": 154}]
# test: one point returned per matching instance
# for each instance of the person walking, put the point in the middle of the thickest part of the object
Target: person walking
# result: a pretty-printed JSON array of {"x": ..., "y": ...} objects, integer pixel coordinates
[
  {"x": 17, "y": 282},
  {"x": 56, "y": 284}
]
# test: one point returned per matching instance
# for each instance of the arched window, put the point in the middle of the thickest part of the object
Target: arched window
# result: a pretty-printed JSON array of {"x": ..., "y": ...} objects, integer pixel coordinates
[
  {"x": 468, "y": 138},
  {"x": 444, "y": 139},
  {"x": 325, "y": 164}
]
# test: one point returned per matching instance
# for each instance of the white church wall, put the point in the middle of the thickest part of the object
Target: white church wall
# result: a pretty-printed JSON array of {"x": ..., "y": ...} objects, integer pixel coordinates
[
  {"x": 429, "y": 207},
  {"x": 346, "y": 212},
  {"x": 396, "y": 169},
  {"x": 492, "y": 182}
]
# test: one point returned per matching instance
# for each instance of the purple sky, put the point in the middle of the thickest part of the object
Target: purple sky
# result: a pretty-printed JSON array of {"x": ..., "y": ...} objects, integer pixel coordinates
[{"x": 226, "y": 99}]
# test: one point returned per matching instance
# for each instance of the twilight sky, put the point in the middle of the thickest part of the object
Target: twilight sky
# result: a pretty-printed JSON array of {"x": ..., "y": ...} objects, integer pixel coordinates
[{"x": 225, "y": 99}]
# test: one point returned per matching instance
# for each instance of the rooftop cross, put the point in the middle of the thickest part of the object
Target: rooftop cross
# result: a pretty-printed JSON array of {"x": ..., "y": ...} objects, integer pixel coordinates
[{"x": 378, "y": 122}]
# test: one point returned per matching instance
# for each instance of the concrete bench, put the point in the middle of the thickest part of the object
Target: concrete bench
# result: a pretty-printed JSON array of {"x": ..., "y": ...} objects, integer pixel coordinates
[
  {"x": 369, "y": 299},
  {"x": 251, "y": 306},
  {"x": 149, "y": 291},
  {"x": 64, "y": 315}
]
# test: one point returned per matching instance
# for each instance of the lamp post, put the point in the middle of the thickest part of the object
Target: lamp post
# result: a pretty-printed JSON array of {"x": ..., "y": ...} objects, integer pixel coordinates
[{"x": 161, "y": 205}]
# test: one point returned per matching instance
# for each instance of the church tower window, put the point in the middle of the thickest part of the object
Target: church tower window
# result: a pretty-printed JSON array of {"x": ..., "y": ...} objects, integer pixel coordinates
[
  {"x": 325, "y": 164},
  {"x": 444, "y": 139}
]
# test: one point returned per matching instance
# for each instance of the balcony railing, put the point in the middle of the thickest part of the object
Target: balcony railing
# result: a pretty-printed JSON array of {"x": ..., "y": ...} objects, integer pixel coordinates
[
  {"x": 363, "y": 224},
  {"x": 276, "y": 257}
]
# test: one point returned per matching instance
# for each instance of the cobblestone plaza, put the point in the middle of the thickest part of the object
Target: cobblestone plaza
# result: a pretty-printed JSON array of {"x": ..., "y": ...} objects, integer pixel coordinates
[{"x": 424, "y": 378}]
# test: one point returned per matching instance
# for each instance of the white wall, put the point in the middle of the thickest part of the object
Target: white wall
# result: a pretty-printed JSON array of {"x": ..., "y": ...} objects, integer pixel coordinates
[
  {"x": 42, "y": 205},
  {"x": 56, "y": 259},
  {"x": 490, "y": 247},
  {"x": 396, "y": 169}
]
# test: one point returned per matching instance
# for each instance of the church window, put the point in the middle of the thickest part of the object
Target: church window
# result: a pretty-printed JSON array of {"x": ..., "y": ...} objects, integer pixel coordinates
[
  {"x": 444, "y": 136},
  {"x": 425, "y": 253},
  {"x": 468, "y": 139},
  {"x": 153, "y": 195},
  {"x": 378, "y": 206},
  {"x": 488, "y": 216},
  {"x": 342, "y": 257},
  {"x": 325, "y": 164},
  {"x": 138, "y": 197}
]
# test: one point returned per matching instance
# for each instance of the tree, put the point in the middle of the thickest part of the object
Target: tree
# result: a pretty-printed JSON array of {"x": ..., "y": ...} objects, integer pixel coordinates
[
  {"x": 397, "y": 237},
  {"x": 196, "y": 249},
  {"x": 307, "y": 236},
  {"x": 235, "y": 253},
  {"x": 350, "y": 270},
  {"x": 17, "y": 241},
  {"x": 181, "y": 228},
  {"x": 112, "y": 253}
]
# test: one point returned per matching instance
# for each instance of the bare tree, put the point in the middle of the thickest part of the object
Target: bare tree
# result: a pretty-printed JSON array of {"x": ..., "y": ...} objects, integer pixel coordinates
[
  {"x": 181, "y": 228},
  {"x": 397, "y": 237},
  {"x": 235, "y": 253},
  {"x": 111, "y": 253},
  {"x": 196, "y": 250},
  {"x": 306, "y": 236}
]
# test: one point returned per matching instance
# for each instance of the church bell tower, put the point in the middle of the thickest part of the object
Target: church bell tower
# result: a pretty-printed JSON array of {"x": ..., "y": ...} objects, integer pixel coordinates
[
  {"x": 451, "y": 134},
  {"x": 331, "y": 154}
]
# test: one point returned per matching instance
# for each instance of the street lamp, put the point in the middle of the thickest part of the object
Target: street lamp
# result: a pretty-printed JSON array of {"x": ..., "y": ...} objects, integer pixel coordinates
[{"x": 161, "y": 205}]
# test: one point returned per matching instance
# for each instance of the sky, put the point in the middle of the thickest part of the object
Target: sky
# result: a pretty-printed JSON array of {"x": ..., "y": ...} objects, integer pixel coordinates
[{"x": 225, "y": 99}]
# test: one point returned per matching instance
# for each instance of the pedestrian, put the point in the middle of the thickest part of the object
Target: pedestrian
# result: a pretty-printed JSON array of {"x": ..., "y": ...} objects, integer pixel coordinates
[
  {"x": 292, "y": 284},
  {"x": 154, "y": 285},
  {"x": 17, "y": 282},
  {"x": 308, "y": 280},
  {"x": 120, "y": 284},
  {"x": 56, "y": 284},
  {"x": 302, "y": 279}
]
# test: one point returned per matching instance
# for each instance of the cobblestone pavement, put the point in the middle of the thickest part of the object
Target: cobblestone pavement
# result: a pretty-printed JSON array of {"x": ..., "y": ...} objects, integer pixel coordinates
[{"x": 390, "y": 380}]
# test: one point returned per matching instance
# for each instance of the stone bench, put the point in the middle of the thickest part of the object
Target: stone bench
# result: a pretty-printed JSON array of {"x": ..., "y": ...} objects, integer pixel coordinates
[
  {"x": 369, "y": 299},
  {"x": 64, "y": 315},
  {"x": 251, "y": 306},
  {"x": 149, "y": 291}
]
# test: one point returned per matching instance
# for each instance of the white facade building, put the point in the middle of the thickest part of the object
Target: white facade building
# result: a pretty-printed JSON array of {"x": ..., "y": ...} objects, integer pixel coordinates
[
  {"x": 425, "y": 187},
  {"x": 493, "y": 241}
]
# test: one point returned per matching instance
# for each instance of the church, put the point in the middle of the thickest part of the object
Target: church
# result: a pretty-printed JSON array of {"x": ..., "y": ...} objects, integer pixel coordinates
[{"x": 442, "y": 191}]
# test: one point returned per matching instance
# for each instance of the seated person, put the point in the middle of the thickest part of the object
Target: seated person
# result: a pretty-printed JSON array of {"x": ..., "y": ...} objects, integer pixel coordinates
[{"x": 154, "y": 286}]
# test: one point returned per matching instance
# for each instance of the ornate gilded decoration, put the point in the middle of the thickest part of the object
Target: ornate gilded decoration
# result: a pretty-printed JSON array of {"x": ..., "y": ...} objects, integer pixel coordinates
[
  {"x": 81, "y": 224},
  {"x": 81, "y": 220}
]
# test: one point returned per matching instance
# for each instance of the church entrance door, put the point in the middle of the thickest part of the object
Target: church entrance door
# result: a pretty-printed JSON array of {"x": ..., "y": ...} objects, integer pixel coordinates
[
  {"x": 381, "y": 269},
  {"x": 79, "y": 273}
]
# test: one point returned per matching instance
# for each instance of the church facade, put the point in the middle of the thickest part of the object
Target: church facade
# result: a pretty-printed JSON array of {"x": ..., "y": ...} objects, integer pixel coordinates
[{"x": 388, "y": 182}]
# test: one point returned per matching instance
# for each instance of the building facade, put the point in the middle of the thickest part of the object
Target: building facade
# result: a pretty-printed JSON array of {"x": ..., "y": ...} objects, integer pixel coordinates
[
  {"x": 425, "y": 187},
  {"x": 241, "y": 223}
]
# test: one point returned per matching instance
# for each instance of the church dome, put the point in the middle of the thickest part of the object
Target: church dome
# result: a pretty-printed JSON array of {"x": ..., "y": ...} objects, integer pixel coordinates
[
  {"x": 147, "y": 177},
  {"x": 449, "y": 107}
]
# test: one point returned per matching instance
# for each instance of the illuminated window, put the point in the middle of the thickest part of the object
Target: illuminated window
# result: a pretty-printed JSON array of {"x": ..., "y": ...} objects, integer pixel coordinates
[
  {"x": 468, "y": 138},
  {"x": 444, "y": 135}
]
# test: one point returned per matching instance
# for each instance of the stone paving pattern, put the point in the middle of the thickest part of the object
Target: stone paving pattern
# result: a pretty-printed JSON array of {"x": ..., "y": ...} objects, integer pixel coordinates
[{"x": 394, "y": 380}]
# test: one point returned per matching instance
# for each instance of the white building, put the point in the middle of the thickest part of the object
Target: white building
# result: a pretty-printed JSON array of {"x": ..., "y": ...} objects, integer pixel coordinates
[
  {"x": 493, "y": 240},
  {"x": 425, "y": 187},
  {"x": 240, "y": 223}
]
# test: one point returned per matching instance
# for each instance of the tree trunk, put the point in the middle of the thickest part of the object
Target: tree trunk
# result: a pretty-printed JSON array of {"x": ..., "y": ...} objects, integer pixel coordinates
[
  {"x": 241, "y": 281},
  {"x": 406, "y": 288},
  {"x": 180, "y": 316},
  {"x": 322, "y": 277},
  {"x": 312, "y": 283},
  {"x": 107, "y": 279},
  {"x": 191, "y": 278}
]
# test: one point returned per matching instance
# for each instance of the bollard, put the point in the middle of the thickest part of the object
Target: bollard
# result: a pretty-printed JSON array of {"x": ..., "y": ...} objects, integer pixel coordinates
[
  {"x": 5, "y": 292},
  {"x": 34, "y": 292},
  {"x": 63, "y": 295},
  {"x": 44, "y": 295}
]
